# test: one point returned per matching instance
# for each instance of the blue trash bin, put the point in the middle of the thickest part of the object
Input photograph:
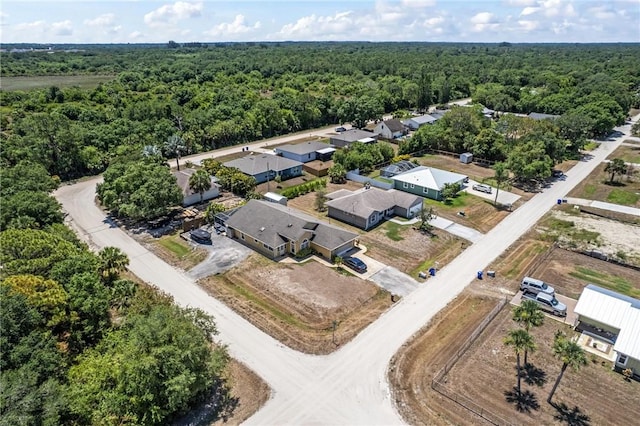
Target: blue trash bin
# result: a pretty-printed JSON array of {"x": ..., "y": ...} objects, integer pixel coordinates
[
  {"x": 432, "y": 272},
  {"x": 559, "y": 201},
  {"x": 479, "y": 275}
]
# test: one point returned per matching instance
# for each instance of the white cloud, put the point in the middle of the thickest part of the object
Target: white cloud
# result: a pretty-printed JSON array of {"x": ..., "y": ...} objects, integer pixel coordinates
[
  {"x": 171, "y": 13},
  {"x": 238, "y": 26},
  {"x": 484, "y": 21},
  {"x": 602, "y": 12},
  {"x": 31, "y": 26},
  {"x": 62, "y": 28},
  {"x": 136, "y": 35},
  {"x": 417, "y": 3},
  {"x": 104, "y": 20},
  {"x": 521, "y": 3},
  {"x": 333, "y": 27},
  {"x": 528, "y": 25},
  {"x": 529, "y": 11}
]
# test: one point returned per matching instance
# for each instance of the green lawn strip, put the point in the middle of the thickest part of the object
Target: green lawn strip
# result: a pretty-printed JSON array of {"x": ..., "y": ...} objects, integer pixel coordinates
[
  {"x": 42, "y": 82},
  {"x": 590, "y": 146},
  {"x": 257, "y": 300},
  {"x": 393, "y": 231},
  {"x": 423, "y": 267},
  {"x": 589, "y": 190},
  {"x": 176, "y": 247},
  {"x": 625, "y": 198},
  {"x": 610, "y": 282}
]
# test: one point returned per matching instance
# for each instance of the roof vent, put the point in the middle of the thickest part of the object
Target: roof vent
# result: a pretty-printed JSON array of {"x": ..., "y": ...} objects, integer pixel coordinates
[
  {"x": 289, "y": 225},
  {"x": 261, "y": 228}
]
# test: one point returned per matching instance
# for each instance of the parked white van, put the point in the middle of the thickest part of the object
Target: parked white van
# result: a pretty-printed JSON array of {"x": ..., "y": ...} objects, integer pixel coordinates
[{"x": 536, "y": 286}]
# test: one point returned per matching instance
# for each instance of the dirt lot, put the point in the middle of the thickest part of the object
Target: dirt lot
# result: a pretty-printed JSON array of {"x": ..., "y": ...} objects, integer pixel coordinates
[
  {"x": 288, "y": 301},
  {"x": 583, "y": 397},
  {"x": 584, "y": 394}
]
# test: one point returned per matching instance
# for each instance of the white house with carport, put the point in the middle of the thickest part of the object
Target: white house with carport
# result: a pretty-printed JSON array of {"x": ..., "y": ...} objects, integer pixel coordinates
[
  {"x": 189, "y": 196},
  {"x": 614, "y": 319},
  {"x": 426, "y": 181},
  {"x": 344, "y": 139}
]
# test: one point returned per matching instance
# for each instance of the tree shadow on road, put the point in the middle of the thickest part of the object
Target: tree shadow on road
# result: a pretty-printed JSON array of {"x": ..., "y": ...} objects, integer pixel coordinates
[
  {"x": 524, "y": 402},
  {"x": 572, "y": 417},
  {"x": 533, "y": 375}
]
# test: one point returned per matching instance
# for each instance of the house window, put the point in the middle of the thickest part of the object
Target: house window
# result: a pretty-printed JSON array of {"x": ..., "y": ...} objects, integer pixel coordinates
[
  {"x": 242, "y": 236},
  {"x": 425, "y": 190},
  {"x": 304, "y": 245},
  {"x": 412, "y": 186},
  {"x": 255, "y": 240},
  {"x": 622, "y": 359},
  {"x": 405, "y": 185}
]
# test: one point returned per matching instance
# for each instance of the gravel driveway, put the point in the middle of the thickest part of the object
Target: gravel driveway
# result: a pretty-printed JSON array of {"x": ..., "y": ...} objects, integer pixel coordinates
[{"x": 224, "y": 254}]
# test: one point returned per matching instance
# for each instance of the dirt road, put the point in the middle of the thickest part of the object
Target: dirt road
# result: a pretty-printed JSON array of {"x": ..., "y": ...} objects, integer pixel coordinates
[{"x": 349, "y": 386}]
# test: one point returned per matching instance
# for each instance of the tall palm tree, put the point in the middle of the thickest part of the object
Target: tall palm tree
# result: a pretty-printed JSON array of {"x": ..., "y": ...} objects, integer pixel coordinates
[
  {"x": 570, "y": 353},
  {"x": 520, "y": 340},
  {"x": 112, "y": 262},
  {"x": 529, "y": 315},
  {"x": 175, "y": 145},
  {"x": 200, "y": 182},
  {"x": 501, "y": 174}
]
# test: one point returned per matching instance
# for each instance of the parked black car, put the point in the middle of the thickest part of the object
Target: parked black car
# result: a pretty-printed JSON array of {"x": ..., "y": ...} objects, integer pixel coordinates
[
  {"x": 355, "y": 264},
  {"x": 201, "y": 236}
]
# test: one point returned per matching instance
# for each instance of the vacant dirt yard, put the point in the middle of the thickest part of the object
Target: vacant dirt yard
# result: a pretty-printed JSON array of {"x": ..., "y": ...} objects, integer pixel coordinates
[
  {"x": 291, "y": 303},
  {"x": 623, "y": 190},
  {"x": 594, "y": 395}
]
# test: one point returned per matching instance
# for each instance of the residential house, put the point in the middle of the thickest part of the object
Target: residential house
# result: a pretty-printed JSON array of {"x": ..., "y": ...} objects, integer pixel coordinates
[
  {"x": 614, "y": 318},
  {"x": 390, "y": 129},
  {"x": 414, "y": 123},
  {"x": 276, "y": 230},
  {"x": 348, "y": 137},
  {"x": 306, "y": 151},
  {"x": 367, "y": 207},
  {"x": 264, "y": 167},
  {"x": 189, "y": 196},
  {"x": 426, "y": 181}
]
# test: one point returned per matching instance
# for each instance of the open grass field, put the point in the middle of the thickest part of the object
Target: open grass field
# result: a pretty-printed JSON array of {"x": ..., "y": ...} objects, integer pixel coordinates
[
  {"x": 42, "y": 82},
  {"x": 630, "y": 154},
  {"x": 176, "y": 251},
  {"x": 624, "y": 190}
]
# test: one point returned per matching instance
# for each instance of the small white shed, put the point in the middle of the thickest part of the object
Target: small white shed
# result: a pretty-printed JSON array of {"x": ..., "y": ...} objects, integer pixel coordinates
[
  {"x": 466, "y": 157},
  {"x": 275, "y": 198}
]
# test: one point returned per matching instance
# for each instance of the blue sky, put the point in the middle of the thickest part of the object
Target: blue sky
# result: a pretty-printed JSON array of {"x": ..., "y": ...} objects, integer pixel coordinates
[{"x": 133, "y": 21}]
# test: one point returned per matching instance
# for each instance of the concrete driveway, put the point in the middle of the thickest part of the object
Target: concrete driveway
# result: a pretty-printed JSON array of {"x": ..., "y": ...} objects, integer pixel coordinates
[
  {"x": 571, "y": 317},
  {"x": 504, "y": 197},
  {"x": 224, "y": 254}
]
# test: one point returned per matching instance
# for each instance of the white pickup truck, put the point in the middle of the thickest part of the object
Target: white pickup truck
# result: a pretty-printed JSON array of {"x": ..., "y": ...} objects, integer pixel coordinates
[{"x": 547, "y": 302}]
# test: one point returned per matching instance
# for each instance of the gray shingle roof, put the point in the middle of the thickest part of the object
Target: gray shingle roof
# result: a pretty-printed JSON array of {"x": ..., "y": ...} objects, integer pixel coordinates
[
  {"x": 304, "y": 148},
  {"x": 353, "y": 135},
  {"x": 274, "y": 224},
  {"x": 182, "y": 178},
  {"x": 255, "y": 164},
  {"x": 364, "y": 202},
  {"x": 394, "y": 125}
]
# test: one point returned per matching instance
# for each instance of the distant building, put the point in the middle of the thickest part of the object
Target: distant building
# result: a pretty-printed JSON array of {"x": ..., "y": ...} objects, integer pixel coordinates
[
  {"x": 189, "y": 197},
  {"x": 275, "y": 231},
  {"x": 348, "y": 137},
  {"x": 365, "y": 208},
  {"x": 426, "y": 181},
  {"x": 614, "y": 318},
  {"x": 275, "y": 198},
  {"x": 264, "y": 167},
  {"x": 390, "y": 129},
  {"x": 306, "y": 151},
  {"x": 414, "y": 123}
]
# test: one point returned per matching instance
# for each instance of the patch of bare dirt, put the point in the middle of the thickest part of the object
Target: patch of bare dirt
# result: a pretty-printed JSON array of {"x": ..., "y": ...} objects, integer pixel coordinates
[{"x": 292, "y": 304}]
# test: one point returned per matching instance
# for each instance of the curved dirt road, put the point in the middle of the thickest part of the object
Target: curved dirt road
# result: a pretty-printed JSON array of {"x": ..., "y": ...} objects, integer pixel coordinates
[{"x": 348, "y": 386}]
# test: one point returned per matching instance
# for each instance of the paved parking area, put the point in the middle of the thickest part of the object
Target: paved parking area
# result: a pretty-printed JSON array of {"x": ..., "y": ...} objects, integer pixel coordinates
[
  {"x": 570, "y": 303},
  {"x": 224, "y": 254},
  {"x": 504, "y": 197}
]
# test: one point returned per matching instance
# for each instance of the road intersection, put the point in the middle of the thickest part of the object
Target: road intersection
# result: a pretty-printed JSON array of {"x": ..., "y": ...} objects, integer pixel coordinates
[{"x": 350, "y": 385}]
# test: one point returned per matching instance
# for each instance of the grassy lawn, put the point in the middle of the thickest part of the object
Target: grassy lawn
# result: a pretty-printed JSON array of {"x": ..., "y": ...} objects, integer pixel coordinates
[
  {"x": 590, "y": 146},
  {"x": 558, "y": 227},
  {"x": 42, "y": 82},
  {"x": 176, "y": 247},
  {"x": 630, "y": 154},
  {"x": 596, "y": 186},
  {"x": 611, "y": 282},
  {"x": 176, "y": 251},
  {"x": 618, "y": 196},
  {"x": 394, "y": 230}
]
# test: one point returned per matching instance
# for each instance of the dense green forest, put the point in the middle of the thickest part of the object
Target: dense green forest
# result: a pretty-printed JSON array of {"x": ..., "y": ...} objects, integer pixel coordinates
[
  {"x": 226, "y": 94},
  {"x": 79, "y": 342}
]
